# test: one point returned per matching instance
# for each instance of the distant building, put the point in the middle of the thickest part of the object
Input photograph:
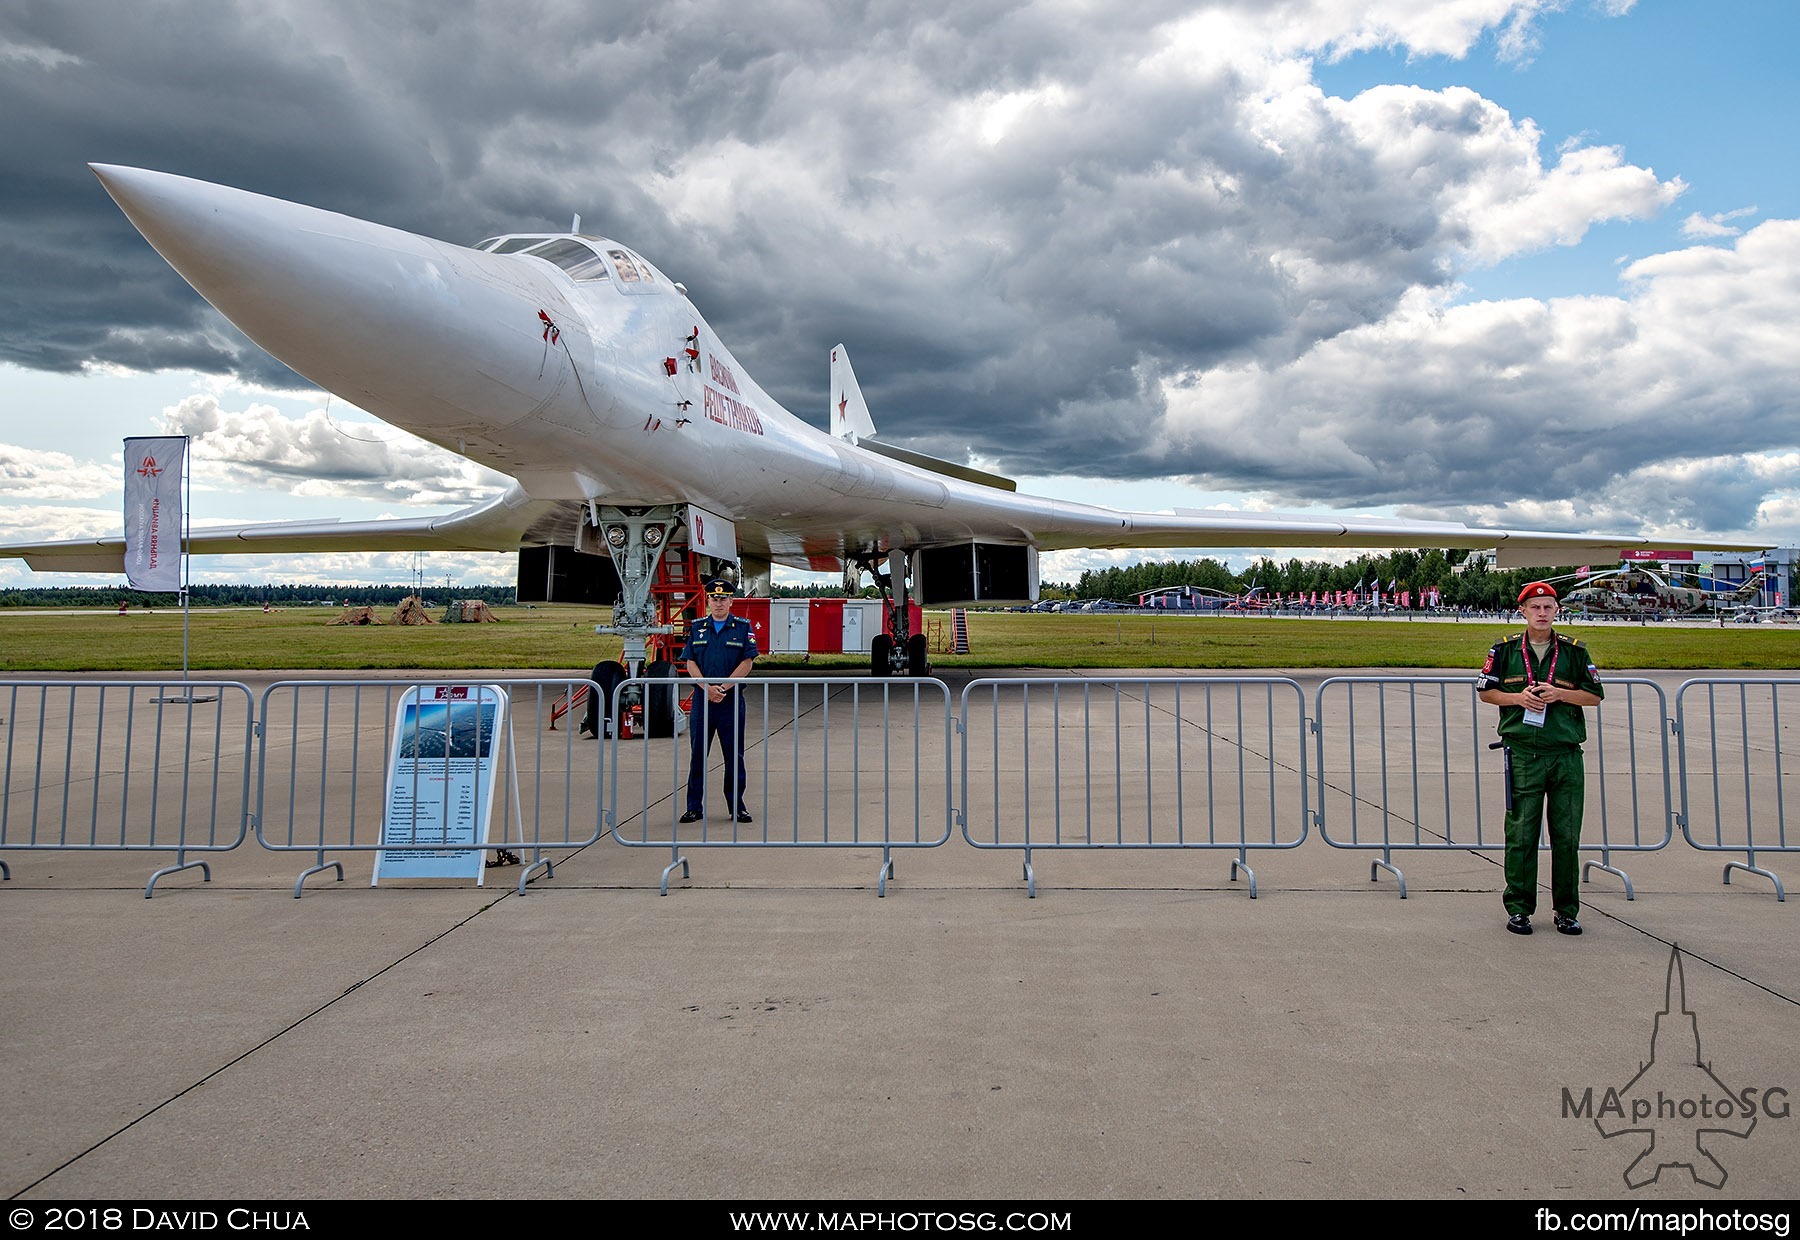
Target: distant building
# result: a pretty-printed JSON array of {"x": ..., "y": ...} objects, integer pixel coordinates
[{"x": 1180, "y": 598}]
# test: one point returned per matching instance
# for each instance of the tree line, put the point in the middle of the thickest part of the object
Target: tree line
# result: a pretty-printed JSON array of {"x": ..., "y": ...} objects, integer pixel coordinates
[{"x": 1474, "y": 585}]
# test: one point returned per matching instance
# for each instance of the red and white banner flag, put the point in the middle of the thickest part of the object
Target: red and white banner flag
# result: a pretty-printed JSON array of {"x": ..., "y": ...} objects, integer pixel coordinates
[{"x": 153, "y": 513}]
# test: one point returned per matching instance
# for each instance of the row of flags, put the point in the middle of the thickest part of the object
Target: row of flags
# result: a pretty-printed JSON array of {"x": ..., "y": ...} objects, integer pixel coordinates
[
  {"x": 1363, "y": 593},
  {"x": 1353, "y": 598}
]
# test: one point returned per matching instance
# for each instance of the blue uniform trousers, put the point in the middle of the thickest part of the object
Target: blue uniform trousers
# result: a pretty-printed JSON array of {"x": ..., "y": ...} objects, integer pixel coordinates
[{"x": 726, "y": 720}]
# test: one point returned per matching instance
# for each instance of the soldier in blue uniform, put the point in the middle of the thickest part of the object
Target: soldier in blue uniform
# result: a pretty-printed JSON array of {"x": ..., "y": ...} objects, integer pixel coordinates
[
  {"x": 1541, "y": 681},
  {"x": 721, "y": 648}
]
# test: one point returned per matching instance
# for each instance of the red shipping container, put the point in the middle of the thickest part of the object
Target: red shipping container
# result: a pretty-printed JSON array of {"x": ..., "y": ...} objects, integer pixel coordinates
[{"x": 825, "y": 626}]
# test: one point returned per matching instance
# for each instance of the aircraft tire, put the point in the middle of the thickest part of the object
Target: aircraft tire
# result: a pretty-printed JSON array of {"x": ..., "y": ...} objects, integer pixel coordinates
[
  {"x": 659, "y": 700},
  {"x": 879, "y": 648},
  {"x": 918, "y": 656},
  {"x": 609, "y": 674}
]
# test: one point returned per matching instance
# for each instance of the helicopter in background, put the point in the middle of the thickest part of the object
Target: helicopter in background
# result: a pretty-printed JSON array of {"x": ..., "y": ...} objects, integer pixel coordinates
[{"x": 1638, "y": 591}]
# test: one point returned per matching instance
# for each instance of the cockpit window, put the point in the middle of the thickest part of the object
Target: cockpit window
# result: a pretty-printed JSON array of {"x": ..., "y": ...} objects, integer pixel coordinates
[
  {"x": 573, "y": 257},
  {"x": 579, "y": 256},
  {"x": 631, "y": 269}
]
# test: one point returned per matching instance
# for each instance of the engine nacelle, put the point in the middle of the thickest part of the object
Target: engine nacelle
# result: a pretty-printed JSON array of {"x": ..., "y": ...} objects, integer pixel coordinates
[
  {"x": 975, "y": 574},
  {"x": 565, "y": 575}
]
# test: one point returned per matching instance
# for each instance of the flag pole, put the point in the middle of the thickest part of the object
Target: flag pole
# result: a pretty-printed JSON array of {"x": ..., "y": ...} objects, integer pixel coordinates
[
  {"x": 187, "y": 562},
  {"x": 186, "y": 696},
  {"x": 187, "y": 556}
]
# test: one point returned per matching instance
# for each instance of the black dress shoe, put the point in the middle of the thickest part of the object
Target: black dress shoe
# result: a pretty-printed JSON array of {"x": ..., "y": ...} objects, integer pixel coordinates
[
  {"x": 1567, "y": 925},
  {"x": 691, "y": 816},
  {"x": 1518, "y": 923},
  {"x": 743, "y": 815}
]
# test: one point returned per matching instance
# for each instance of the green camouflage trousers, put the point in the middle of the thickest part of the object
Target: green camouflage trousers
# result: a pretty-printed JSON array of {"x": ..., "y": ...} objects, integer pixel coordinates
[{"x": 1556, "y": 782}]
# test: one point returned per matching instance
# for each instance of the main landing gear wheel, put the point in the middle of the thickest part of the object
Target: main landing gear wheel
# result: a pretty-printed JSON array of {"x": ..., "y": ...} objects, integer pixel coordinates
[
  {"x": 660, "y": 702},
  {"x": 917, "y": 661},
  {"x": 881, "y": 648},
  {"x": 609, "y": 675}
]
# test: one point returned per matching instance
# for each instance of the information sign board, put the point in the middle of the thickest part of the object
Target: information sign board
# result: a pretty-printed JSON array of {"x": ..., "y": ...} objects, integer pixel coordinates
[{"x": 440, "y": 782}]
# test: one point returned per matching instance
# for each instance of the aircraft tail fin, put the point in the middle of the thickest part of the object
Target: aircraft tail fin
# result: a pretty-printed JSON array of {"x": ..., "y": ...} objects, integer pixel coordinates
[{"x": 849, "y": 412}]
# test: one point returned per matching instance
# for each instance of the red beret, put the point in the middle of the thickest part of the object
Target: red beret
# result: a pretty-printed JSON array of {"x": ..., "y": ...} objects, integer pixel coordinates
[{"x": 1537, "y": 589}]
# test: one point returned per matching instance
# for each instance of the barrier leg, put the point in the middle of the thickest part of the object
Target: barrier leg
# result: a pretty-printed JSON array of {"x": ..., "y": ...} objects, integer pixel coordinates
[
  {"x": 1381, "y": 863},
  {"x": 1241, "y": 862},
  {"x": 526, "y": 873},
  {"x": 300, "y": 883},
  {"x": 205, "y": 874},
  {"x": 679, "y": 860},
  {"x": 1602, "y": 866},
  {"x": 1780, "y": 893}
]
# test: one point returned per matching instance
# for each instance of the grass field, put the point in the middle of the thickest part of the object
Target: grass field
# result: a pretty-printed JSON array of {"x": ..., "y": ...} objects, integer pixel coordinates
[{"x": 562, "y": 638}]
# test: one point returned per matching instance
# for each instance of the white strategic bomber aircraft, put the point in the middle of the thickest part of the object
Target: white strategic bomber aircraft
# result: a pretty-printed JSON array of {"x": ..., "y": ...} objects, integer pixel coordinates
[{"x": 579, "y": 369}]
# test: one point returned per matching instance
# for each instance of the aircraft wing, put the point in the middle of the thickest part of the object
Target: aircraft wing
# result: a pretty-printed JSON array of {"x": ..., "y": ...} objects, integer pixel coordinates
[
  {"x": 1047, "y": 524},
  {"x": 504, "y": 524},
  {"x": 957, "y": 510},
  {"x": 1514, "y": 548}
]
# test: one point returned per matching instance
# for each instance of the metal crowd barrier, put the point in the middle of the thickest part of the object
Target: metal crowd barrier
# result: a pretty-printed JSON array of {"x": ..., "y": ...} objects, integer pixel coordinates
[
  {"x": 1163, "y": 763},
  {"x": 882, "y": 748},
  {"x": 125, "y": 766},
  {"x": 1739, "y": 741},
  {"x": 1405, "y": 756},
  {"x": 1397, "y": 764},
  {"x": 323, "y": 766}
]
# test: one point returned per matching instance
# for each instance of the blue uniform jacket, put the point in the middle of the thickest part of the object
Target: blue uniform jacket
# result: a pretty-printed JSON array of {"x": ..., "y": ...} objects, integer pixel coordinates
[{"x": 719, "y": 653}]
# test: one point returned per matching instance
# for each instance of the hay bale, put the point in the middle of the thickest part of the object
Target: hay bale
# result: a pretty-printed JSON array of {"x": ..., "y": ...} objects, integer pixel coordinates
[
  {"x": 357, "y": 615},
  {"x": 412, "y": 611},
  {"x": 469, "y": 611}
]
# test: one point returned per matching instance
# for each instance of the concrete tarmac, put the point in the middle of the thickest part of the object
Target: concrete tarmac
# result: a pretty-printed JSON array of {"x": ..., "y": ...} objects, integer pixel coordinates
[{"x": 772, "y": 1030}]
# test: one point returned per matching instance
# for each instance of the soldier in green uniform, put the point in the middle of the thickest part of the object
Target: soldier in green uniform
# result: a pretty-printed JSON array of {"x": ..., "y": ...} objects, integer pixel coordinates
[{"x": 1541, "y": 681}]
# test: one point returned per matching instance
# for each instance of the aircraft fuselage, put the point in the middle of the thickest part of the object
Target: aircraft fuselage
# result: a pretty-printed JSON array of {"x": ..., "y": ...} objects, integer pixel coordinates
[{"x": 610, "y": 389}]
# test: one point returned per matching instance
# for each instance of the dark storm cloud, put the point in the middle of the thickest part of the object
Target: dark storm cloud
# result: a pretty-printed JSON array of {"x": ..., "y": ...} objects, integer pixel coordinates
[
  {"x": 1133, "y": 243},
  {"x": 194, "y": 88}
]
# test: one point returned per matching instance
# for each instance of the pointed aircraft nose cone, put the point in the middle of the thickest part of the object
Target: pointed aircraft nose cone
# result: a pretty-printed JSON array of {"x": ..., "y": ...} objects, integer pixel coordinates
[
  {"x": 175, "y": 215},
  {"x": 414, "y": 330}
]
